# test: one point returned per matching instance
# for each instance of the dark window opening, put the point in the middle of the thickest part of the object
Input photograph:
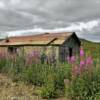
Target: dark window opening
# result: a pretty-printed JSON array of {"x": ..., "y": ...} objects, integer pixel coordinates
[
  {"x": 70, "y": 52},
  {"x": 12, "y": 49}
]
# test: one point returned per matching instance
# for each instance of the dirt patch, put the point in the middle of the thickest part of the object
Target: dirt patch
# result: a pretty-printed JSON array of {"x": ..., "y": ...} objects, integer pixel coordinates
[
  {"x": 16, "y": 91},
  {"x": 10, "y": 90}
]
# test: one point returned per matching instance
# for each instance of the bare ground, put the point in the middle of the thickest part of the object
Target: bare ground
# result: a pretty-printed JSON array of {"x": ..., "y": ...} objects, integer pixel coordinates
[{"x": 10, "y": 90}]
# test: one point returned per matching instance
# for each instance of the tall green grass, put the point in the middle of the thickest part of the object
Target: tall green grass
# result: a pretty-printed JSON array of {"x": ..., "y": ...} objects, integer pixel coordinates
[{"x": 49, "y": 77}]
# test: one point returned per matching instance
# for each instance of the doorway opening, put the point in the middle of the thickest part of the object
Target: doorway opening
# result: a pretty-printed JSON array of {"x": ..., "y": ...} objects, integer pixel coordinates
[{"x": 70, "y": 52}]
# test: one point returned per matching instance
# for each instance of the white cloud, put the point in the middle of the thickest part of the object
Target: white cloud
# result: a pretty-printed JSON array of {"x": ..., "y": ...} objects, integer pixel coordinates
[
  {"x": 78, "y": 27},
  {"x": 15, "y": 2},
  {"x": 81, "y": 26},
  {"x": 2, "y": 5}
]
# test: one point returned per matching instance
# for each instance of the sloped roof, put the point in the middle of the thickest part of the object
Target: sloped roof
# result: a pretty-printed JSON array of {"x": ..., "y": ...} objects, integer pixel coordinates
[{"x": 39, "y": 39}]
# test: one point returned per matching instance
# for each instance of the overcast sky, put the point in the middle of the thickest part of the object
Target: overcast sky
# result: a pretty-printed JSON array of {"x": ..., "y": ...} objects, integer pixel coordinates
[{"x": 21, "y": 17}]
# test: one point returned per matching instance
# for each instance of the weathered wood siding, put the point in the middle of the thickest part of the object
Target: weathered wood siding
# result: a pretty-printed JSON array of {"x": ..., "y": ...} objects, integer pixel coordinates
[
  {"x": 64, "y": 49},
  {"x": 48, "y": 50},
  {"x": 3, "y": 49}
]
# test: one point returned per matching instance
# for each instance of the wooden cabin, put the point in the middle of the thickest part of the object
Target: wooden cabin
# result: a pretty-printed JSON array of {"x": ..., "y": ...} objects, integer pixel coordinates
[{"x": 58, "y": 45}]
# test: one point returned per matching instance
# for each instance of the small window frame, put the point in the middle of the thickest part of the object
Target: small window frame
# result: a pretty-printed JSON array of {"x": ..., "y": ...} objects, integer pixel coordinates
[{"x": 12, "y": 49}]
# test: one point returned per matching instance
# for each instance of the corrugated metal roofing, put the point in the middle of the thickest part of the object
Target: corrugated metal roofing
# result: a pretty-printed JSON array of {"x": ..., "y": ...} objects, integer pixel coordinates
[{"x": 40, "y": 39}]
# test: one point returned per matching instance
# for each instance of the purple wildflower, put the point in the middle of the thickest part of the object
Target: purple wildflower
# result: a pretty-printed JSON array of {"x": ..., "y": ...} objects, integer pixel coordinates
[
  {"x": 89, "y": 61},
  {"x": 82, "y": 63},
  {"x": 81, "y": 52},
  {"x": 71, "y": 59}
]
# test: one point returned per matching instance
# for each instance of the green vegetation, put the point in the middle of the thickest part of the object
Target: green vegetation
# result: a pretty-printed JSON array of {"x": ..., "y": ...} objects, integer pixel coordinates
[
  {"x": 49, "y": 78},
  {"x": 61, "y": 79},
  {"x": 94, "y": 48},
  {"x": 85, "y": 84}
]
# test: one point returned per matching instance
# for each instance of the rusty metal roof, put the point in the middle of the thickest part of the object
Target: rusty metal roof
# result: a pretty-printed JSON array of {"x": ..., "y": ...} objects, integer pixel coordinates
[{"x": 39, "y": 39}]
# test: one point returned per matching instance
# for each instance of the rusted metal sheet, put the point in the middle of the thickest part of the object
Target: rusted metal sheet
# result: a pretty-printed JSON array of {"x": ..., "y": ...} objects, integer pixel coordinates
[{"x": 40, "y": 39}]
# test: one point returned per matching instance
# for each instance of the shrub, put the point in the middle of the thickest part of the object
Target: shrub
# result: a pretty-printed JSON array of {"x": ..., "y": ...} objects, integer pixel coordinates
[
  {"x": 54, "y": 82},
  {"x": 48, "y": 90},
  {"x": 36, "y": 74},
  {"x": 85, "y": 80},
  {"x": 84, "y": 88},
  {"x": 2, "y": 64}
]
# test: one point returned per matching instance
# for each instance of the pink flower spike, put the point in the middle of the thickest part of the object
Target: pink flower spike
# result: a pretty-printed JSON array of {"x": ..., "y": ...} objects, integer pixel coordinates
[
  {"x": 81, "y": 52},
  {"x": 89, "y": 61},
  {"x": 82, "y": 63},
  {"x": 73, "y": 59}
]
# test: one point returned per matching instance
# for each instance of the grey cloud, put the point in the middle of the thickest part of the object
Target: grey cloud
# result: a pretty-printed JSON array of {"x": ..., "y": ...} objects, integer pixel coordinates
[{"x": 49, "y": 15}]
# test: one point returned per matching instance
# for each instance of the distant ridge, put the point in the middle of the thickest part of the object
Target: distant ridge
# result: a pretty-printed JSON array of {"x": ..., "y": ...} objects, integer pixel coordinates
[{"x": 85, "y": 40}]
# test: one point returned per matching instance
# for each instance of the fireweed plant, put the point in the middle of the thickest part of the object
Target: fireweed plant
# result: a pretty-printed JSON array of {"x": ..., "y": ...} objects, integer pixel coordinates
[
  {"x": 84, "y": 83},
  {"x": 85, "y": 63},
  {"x": 29, "y": 69},
  {"x": 78, "y": 76}
]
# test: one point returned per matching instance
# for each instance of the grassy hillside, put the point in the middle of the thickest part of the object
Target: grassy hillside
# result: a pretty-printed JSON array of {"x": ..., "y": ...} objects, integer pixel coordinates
[
  {"x": 89, "y": 44},
  {"x": 93, "y": 48}
]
